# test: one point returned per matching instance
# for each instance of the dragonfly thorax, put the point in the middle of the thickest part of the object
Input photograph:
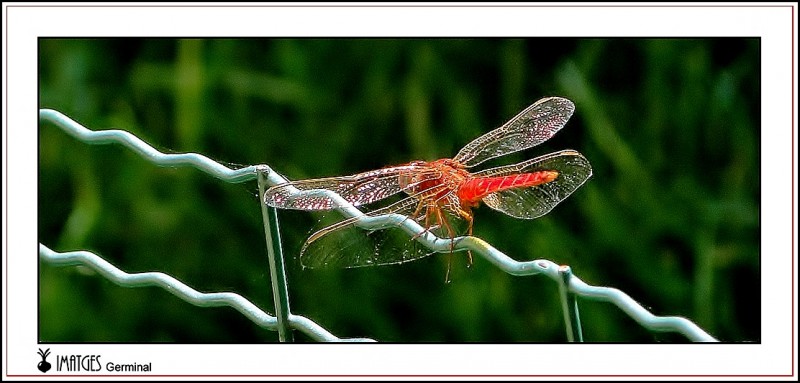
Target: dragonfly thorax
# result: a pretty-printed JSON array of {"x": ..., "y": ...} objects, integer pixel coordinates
[{"x": 433, "y": 180}]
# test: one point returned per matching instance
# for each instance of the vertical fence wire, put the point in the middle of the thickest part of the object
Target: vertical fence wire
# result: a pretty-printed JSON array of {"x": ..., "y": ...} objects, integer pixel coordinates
[
  {"x": 569, "y": 305},
  {"x": 571, "y": 286},
  {"x": 280, "y": 288}
]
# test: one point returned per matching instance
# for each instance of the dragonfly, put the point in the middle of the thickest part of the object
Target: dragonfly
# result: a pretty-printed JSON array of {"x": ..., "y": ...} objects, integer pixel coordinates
[{"x": 440, "y": 195}]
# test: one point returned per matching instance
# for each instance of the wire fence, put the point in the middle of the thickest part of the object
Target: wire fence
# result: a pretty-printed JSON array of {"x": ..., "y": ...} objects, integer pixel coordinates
[{"x": 571, "y": 287}]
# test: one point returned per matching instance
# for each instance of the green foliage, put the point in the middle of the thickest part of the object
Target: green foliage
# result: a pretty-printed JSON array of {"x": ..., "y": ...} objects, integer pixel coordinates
[{"x": 671, "y": 215}]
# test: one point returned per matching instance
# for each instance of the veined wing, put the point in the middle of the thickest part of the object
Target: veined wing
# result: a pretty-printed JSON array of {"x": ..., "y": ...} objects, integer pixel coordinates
[
  {"x": 529, "y": 128},
  {"x": 532, "y": 202},
  {"x": 358, "y": 189},
  {"x": 338, "y": 245}
]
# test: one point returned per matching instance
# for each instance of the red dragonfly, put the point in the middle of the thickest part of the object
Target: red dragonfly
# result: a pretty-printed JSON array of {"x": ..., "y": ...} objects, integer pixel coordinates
[{"x": 440, "y": 194}]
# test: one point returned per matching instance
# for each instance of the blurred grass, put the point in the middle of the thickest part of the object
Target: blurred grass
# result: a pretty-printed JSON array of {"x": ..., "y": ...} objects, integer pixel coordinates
[{"x": 671, "y": 215}]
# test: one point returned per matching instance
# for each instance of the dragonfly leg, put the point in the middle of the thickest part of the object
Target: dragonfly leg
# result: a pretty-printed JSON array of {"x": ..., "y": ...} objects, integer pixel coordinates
[
  {"x": 469, "y": 232},
  {"x": 447, "y": 275},
  {"x": 450, "y": 233},
  {"x": 446, "y": 225},
  {"x": 427, "y": 229},
  {"x": 469, "y": 217},
  {"x": 428, "y": 226}
]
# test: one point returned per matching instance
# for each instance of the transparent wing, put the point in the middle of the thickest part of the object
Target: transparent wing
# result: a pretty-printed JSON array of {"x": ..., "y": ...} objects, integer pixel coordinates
[
  {"x": 358, "y": 189},
  {"x": 343, "y": 245},
  {"x": 532, "y": 202},
  {"x": 529, "y": 128}
]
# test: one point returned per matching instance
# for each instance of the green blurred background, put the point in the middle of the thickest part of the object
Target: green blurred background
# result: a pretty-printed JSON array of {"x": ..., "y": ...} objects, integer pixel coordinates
[{"x": 671, "y": 215}]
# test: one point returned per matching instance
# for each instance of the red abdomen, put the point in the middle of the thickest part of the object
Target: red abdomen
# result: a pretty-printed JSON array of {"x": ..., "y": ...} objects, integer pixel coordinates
[{"x": 473, "y": 191}]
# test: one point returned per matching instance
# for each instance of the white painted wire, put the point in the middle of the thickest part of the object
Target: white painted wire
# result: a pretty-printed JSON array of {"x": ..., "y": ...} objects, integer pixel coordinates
[{"x": 476, "y": 245}]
